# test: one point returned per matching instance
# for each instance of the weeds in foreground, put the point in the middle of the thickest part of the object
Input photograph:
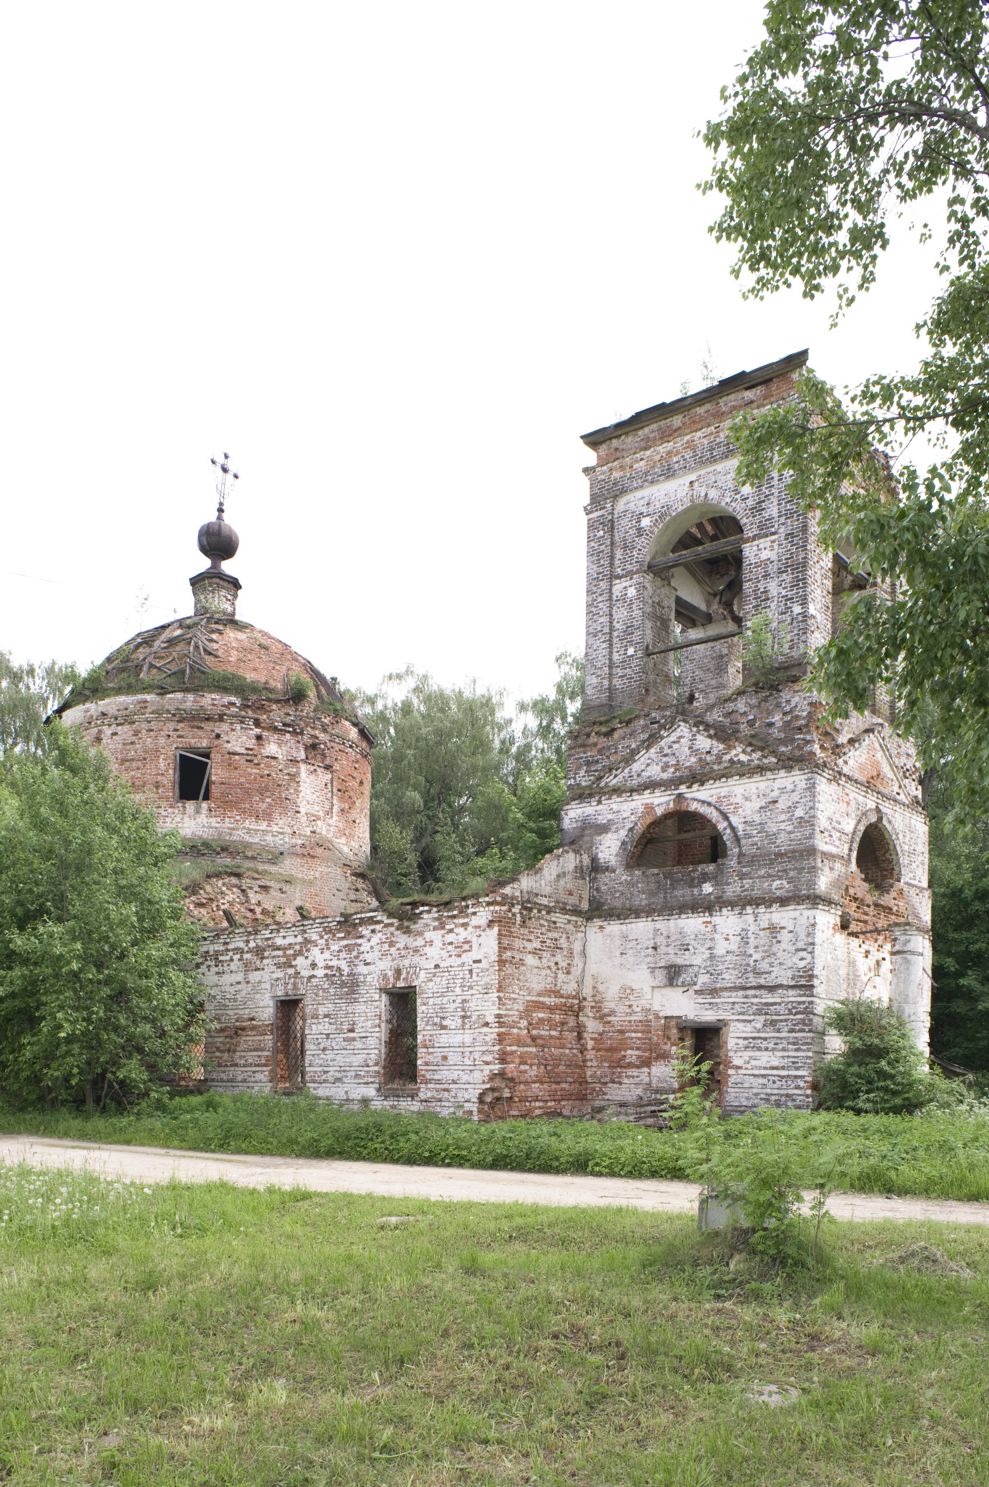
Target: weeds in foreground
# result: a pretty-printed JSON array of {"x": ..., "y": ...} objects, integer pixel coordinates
[
  {"x": 758, "y": 1186},
  {"x": 752, "y": 1187},
  {"x": 936, "y": 1154}
]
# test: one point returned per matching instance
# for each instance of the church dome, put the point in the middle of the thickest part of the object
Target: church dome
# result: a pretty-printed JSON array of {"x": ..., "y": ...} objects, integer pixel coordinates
[
  {"x": 209, "y": 653},
  {"x": 242, "y": 747},
  {"x": 250, "y": 753}
]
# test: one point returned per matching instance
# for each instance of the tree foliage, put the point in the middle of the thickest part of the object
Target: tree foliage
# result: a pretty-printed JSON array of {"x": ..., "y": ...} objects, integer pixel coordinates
[
  {"x": 28, "y": 692},
  {"x": 881, "y": 1071},
  {"x": 461, "y": 792},
  {"x": 959, "y": 872},
  {"x": 98, "y": 999},
  {"x": 846, "y": 115}
]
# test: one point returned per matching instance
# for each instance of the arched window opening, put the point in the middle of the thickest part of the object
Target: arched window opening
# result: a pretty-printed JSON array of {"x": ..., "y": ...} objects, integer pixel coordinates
[
  {"x": 708, "y": 585},
  {"x": 680, "y": 839},
  {"x": 694, "y": 599},
  {"x": 875, "y": 858}
]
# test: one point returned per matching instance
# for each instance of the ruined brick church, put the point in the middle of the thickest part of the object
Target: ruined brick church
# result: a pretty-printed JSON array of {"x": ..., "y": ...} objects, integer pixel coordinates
[{"x": 730, "y": 862}]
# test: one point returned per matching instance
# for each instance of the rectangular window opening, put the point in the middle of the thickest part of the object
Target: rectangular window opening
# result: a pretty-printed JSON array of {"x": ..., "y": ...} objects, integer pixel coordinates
[
  {"x": 290, "y": 1044},
  {"x": 192, "y": 774},
  {"x": 400, "y": 1063}
]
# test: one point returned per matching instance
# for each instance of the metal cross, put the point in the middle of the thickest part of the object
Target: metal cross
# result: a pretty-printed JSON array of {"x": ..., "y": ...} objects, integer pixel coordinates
[{"x": 224, "y": 472}]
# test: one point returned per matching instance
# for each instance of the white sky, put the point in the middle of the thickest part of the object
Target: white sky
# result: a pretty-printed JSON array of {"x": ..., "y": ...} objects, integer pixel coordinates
[{"x": 395, "y": 258}]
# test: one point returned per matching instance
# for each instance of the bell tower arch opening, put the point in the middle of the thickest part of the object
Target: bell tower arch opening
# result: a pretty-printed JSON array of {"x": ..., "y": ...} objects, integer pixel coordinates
[
  {"x": 678, "y": 839},
  {"x": 693, "y": 618}
]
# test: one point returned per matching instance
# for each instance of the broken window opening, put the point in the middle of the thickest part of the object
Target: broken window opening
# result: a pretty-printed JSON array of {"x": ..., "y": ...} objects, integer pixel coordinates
[
  {"x": 400, "y": 1060},
  {"x": 679, "y": 839},
  {"x": 193, "y": 769},
  {"x": 289, "y": 1064},
  {"x": 875, "y": 858}
]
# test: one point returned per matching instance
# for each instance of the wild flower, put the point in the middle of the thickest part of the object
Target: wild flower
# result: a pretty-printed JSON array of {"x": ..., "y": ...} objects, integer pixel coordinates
[{"x": 38, "y": 1203}]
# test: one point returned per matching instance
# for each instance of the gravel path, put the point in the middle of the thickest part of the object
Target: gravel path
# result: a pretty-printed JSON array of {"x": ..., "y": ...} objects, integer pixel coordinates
[{"x": 160, "y": 1164}]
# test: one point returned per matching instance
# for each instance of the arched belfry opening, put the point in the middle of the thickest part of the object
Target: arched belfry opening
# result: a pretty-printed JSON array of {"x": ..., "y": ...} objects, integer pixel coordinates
[
  {"x": 678, "y": 839},
  {"x": 693, "y": 602},
  {"x": 876, "y": 858}
]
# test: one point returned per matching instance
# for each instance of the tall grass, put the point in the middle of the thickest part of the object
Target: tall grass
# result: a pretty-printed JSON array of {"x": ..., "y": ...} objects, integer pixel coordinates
[{"x": 936, "y": 1155}]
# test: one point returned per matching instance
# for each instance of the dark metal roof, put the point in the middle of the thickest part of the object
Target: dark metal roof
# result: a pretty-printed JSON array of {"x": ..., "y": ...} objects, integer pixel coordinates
[{"x": 706, "y": 395}]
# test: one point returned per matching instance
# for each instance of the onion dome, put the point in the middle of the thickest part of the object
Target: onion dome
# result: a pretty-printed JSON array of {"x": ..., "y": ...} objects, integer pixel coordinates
[{"x": 217, "y": 541}]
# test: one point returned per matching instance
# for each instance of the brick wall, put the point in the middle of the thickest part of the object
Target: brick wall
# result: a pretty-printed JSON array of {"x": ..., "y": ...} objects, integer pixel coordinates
[
  {"x": 342, "y": 969},
  {"x": 749, "y": 971},
  {"x": 540, "y": 1013},
  {"x": 289, "y": 795},
  {"x": 498, "y": 1000},
  {"x": 568, "y": 990}
]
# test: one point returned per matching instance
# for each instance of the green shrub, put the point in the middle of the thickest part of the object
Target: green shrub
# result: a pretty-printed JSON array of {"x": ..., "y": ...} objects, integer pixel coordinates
[
  {"x": 300, "y": 688},
  {"x": 693, "y": 1106},
  {"x": 881, "y": 1071},
  {"x": 99, "y": 1001},
  {"x": 760, "y": 1177},
  {"x": 764, "y": 646}
]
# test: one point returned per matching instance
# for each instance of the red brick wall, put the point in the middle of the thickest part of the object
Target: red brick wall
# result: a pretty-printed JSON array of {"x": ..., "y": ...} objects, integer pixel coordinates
[
  {"x": 288, "y": 780},
  {"x": 540, "y": 1015}
]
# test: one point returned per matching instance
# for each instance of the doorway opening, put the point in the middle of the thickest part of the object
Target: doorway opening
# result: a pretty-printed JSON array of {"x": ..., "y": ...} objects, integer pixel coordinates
[{"x": 705, "y": 1041}]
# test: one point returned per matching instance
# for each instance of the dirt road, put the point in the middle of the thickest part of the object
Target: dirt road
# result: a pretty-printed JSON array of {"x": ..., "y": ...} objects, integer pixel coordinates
[{"x": 159, "y": 1164}]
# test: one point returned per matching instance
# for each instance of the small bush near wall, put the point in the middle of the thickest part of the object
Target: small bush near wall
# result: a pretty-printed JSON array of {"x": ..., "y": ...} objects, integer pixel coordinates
[
  {"x": 764, "y": 648},
  {"x": 881, "y": 1070}
]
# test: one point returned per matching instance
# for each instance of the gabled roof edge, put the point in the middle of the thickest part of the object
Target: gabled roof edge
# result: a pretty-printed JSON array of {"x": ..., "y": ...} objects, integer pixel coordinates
[{"x": 659, "y": 411}]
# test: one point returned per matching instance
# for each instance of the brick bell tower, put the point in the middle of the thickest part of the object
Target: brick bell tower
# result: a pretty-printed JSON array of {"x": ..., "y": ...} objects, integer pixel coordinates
[{"x": 750, "y": 863}]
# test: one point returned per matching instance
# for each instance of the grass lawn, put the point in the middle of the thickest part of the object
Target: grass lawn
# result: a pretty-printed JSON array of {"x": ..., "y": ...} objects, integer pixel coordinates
[
  {"x": 218, "y": 1336},
  {"x": 940, "y": 1154}
]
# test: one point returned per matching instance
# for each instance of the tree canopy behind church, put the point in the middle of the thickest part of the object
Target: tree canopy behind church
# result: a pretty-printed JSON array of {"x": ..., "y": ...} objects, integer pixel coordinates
[
  {"x": 960, "y": 929},
  {"x": 462, "y": 792},
  {"x": 99, "y": 1002},
  {"x": 28, "y": 692},
  {"x": 845, "y": 116}
]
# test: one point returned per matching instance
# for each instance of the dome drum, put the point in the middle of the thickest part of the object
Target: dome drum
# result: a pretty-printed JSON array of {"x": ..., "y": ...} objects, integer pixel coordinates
[{"x": 250, "y": 754}]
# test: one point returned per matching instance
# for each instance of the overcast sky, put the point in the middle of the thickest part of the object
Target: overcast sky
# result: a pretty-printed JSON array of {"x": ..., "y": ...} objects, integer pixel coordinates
[{"x": 395, "y": 258}]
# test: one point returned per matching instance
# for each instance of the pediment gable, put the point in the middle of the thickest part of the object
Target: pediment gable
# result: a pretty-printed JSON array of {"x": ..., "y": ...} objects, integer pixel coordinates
[
  {"x": 687, "y": 749},
  {"x": 867, "y": 758}
]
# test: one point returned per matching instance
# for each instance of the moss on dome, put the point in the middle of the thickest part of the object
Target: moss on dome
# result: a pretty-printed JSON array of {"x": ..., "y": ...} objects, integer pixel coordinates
[{"x": 211, "y": 653}]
